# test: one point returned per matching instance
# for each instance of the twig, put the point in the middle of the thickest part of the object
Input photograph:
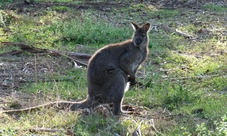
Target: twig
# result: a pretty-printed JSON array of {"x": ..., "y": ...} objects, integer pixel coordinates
[
  {"x": 68, "y": 54},
  {"x": 168, "y": 29},
  {"x": 23, "y": 46},
  {"x": 51, "y": 130},
  {"x": 154, "y": 128},
  {"x": 194, "y": 77},
  {"x": 11, "y": 53},
  {"x": 137, "y": 132},
  {"x": 48, "y": 80},
  {"x": 169, "y": 116},
  {"x": 46, "y": 130}
]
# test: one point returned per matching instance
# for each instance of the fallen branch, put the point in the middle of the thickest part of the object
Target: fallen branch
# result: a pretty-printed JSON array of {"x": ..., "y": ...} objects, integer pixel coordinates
[
  {"x": 193, "y": 77},
  {"x": 80, "y": 58},
  {"x": 84, "y": 58},
  {"x": 24, "y": 47},
  {"x": 45, "y": 130},
  {"x": 168, "y": 29},
  {"x": 14, "y": 52},
  {"x": 50, "y": 130},
  {"x": 47, "y": 80},
  {"x": 167, "y": 117}
]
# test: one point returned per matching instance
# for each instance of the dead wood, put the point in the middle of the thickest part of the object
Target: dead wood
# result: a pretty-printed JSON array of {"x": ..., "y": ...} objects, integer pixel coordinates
[
  {"x": 168, "y": 29},
  {"x": 80, "y": 58},
  {"x": 57, "y": 104},
  {"x": 51, "y": 130},
  {"x": 14, "y": 52},
  {"x": 45, "y": 130},
  {"x": 24, "y": 47},
  {"x": 193, "y": 77},
  {"x": 46, "y": 80},
  {"x": 137, "y": 132}
]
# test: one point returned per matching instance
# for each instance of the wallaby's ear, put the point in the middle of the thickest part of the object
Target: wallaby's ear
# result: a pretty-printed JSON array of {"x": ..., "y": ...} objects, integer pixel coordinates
[
  {"x": 146, "y": 27},
  {"x": 134, "y": 26}
]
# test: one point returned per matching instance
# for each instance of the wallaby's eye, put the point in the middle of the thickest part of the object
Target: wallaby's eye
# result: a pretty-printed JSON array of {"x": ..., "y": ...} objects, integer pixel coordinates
[{"x": 143, "y": 34}]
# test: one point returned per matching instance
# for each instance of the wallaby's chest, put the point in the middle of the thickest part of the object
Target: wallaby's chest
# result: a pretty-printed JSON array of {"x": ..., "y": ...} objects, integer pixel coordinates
[{"x": 138, "y": 56}]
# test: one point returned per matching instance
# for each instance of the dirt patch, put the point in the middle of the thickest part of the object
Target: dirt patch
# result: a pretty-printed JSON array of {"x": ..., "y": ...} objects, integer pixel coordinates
[
  {"x": 23, "y": 7},
  {"x": 39, "y": 6},
  {"x": 16, "y": 70},
  {"x": 173, "y": 4}
]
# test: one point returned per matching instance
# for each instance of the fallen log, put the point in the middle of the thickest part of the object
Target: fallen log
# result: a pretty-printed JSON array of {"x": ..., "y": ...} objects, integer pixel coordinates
[
  {"x": 80, "y": 58},
  {"x": 168, "y": 29}
]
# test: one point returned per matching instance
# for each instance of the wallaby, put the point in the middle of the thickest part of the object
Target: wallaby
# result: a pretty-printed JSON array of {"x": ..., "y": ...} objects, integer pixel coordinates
[
  {"x": 109, "y": 71},
  {"x": 112, "y": 66}
]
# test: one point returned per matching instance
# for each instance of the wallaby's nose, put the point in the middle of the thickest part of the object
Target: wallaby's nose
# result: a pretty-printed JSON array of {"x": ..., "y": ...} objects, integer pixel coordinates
[{"x": 138, "y": 42}]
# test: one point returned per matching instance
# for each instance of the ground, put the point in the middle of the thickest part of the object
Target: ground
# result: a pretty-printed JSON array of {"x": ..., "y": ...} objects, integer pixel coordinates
[{"x": 184, "y": 77}]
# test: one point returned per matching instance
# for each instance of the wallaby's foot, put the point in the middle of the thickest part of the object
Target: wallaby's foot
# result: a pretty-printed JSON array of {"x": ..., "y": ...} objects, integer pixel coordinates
[
  {"x": 74, "y": 107},
  {"x": 136, "y": 84},
  {"x": 81, "y": 105},
  {"x": 133, "y": 83},
  {"x": 117, "y": 108}
]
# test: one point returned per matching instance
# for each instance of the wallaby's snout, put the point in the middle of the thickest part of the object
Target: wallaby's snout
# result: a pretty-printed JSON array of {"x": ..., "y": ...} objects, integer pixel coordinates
[
  {"x": 137, "y": 42},
  {"x": 139, "y": 38}
]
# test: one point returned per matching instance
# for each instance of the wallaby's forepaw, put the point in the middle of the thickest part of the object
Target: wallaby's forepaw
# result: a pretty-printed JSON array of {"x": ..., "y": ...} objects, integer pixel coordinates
[{"x": 136, "y": 84}]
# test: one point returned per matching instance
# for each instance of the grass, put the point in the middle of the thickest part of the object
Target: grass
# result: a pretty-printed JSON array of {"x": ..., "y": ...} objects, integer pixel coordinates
[
  {"x": 185, "y": 80},
  {"x": 56, "y": 29},
  {"x": 213, "y": 7},
  {"x": 3, "y": 2}
]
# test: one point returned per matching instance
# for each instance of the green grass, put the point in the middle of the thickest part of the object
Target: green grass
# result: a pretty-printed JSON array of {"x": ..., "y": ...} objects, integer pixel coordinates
[
  {"x": 54, "y": 1},
  {"x": 62, "y": 8},
  {"x": 3, "y": 2},
  {"x": 86, "y": 32},
  {"x": 213, "y": 7},
  {"x": 165, "y": 13},
  {"x": 186, "y": 78},
  {"x": 64, "y": 86},
  {"x": 49, "y": 30}
]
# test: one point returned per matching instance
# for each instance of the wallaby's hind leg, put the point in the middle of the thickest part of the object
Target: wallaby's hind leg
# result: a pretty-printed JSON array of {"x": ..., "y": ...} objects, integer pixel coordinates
[{"x": 118, "y": 88}]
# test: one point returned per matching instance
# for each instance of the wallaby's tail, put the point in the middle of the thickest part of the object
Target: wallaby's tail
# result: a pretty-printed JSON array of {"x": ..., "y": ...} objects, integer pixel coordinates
[
  {"x": 80, "y": 105},
  {"x": 58, "y": 104}
]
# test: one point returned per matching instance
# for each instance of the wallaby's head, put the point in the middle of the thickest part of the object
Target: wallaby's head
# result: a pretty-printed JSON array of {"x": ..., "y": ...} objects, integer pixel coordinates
[{"x": 140, "y": 36}]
